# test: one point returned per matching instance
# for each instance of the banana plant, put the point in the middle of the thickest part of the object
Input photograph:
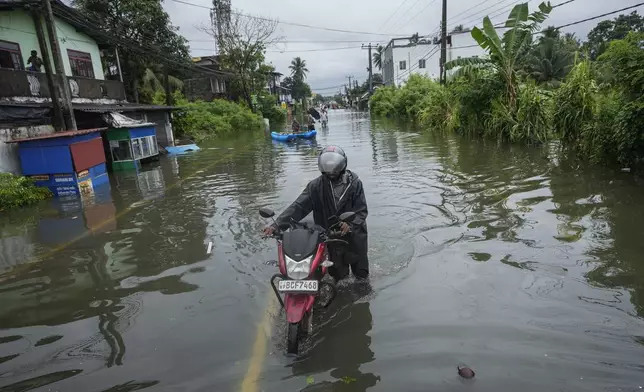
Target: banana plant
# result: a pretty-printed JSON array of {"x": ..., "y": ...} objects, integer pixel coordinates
[{"x": 504, "y": 54}]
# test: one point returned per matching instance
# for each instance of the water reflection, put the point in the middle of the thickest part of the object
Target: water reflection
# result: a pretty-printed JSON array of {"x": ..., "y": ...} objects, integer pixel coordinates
[{"x": 341, "y": 346}]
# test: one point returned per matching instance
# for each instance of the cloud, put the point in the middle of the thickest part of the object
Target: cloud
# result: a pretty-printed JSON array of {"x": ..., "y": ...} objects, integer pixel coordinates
[{"x": 330, "y": 67}]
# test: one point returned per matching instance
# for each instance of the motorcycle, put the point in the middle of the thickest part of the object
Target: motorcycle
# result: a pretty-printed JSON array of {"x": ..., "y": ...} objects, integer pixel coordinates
[{"x": 303, "y": 260}]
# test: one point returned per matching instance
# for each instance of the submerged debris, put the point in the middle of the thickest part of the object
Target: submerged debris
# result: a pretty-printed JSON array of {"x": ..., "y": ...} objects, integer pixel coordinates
[{"x": 465, "y": 372}]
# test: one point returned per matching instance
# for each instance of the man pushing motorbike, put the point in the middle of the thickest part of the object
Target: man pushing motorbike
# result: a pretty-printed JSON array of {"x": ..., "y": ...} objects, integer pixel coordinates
[{"x": 335, "y": 191}]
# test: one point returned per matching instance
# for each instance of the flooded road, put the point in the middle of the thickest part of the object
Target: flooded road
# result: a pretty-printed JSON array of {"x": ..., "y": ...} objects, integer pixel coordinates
[{"x": 506, "y": 259}]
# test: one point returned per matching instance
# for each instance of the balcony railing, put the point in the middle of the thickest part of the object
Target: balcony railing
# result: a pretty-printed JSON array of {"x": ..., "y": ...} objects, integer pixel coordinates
[{"x": 27, "y": 84}]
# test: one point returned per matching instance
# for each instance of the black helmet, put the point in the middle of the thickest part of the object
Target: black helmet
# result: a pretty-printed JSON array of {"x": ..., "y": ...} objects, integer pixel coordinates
[{"x": 332, "y": 161}]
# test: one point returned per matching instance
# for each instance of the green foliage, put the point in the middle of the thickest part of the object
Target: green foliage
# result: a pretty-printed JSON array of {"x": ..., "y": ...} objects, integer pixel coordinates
[
  {"x": 574, "y": 102},
  {"x": 624, "y": 60},
  {"x": 141, "y": 21},
  {"x": 551, "y": 58},
  {"x": 270, "y": 110},
  {"x": 507, "y": 53},
  {"x": 382, "y": 101},
  {"x": 439, "y": 110},
  {"x": 377, "y": 57},
  {"x": 18, "y": 191},
  {"x": 202, "y": 120},
  {"x": 298, "y": 69},
  {"x": 610, "y": 30},
  {"x": 527, "y": 92},
  {"x": 474, "y": 95}
]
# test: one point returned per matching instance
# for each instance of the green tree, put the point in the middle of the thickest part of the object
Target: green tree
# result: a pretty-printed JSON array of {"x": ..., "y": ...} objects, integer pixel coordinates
[
  {"x": 300, "y": 90},
  {"x": 298, "y": 69},
  {"x": 507, "y": 53},
  {"x": 142, "y": 21},
  {"x": 552, "y": 57},
  {"x": 377, "y": 57},
  {"x": 243, "y": 46},
  {"x": 609, "y": 30}
]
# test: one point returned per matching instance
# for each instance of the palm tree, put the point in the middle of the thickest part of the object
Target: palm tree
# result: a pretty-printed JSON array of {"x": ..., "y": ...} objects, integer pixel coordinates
[
  {"x": 377, "y": 57},
  {"x": 551, "y": 60},
  {"x": 298, "y": 69},
  {"x": 505, "y": 55}
]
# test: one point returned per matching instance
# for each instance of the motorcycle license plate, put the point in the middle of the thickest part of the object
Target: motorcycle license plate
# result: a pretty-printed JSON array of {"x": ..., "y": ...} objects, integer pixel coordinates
[{"x": 298, "y": 285}]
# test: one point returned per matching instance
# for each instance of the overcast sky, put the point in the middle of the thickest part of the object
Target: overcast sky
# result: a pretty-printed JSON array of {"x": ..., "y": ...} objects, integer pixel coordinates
[{"x": 328, "y": 68}]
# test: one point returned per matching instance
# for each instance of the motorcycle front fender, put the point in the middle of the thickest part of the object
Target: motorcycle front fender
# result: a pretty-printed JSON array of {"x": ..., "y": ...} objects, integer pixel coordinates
[{"x": 296, "y": 306}]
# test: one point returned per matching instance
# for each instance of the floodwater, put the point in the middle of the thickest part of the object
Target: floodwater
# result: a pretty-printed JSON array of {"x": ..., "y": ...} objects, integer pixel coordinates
[{"x": 507, "y": 259}]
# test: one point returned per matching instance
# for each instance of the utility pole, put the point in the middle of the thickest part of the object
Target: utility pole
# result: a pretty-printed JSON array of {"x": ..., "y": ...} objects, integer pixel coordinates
[
  {"x": 52, "y": 82},
  {"x": 349, "y": 89},
  {"x": 443, "y": 42},
  {"x": 65, "y": 94},
  {"x": 370, "y": 69}
]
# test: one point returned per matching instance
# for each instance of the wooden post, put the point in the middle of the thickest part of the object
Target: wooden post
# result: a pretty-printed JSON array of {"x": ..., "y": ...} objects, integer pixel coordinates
[
  {"x": 65, "y": 94},
  {"x": 118, "y": 63},
  {"x": 52, "y": 82}
]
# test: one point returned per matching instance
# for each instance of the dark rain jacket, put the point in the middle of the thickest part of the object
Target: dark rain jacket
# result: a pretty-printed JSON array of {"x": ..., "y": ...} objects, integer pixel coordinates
[{"x": 317, "y": 197}]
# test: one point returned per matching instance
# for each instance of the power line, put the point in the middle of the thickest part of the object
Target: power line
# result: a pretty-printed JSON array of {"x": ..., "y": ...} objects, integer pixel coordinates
[
  {"x": 394, "y": 13},
  {"x": 421, "y": 11},
  {"x": 403, "y": 15},
  {"x": 288, "y": 23},
  {"x": 328, "y": 88},
  {"x": 600, "y": 16}
]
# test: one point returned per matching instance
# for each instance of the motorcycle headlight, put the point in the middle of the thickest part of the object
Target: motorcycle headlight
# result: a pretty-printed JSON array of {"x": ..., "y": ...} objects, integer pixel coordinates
[{"x": 298, "y": 269}]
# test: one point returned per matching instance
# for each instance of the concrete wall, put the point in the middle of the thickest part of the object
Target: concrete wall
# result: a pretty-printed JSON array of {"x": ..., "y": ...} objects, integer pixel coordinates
[
  {"x": 18, "y": 26},
  {"x": 462, "y": 45},
  {"x": 9, "y": 160}
]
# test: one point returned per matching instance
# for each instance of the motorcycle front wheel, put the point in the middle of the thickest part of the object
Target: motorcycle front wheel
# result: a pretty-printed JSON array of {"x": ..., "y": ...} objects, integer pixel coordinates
[{"x": 292, "y": 338}]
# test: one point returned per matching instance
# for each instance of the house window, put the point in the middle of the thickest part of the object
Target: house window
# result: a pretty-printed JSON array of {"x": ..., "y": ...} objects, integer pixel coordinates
[
  {"x": 402, "y": 65},
  {"x": 10, "y": 56},
  {"x": 81, "y": 63},
  {"x": 421, "y": 63}
]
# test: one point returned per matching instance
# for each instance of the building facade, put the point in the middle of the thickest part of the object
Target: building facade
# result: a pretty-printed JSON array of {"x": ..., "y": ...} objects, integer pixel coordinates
[
  {"x": 26, "y": 106},
  {"x": 404, "y": 57}
]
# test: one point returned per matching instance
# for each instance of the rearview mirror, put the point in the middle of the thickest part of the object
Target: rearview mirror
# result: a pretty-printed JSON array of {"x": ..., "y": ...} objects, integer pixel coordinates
[
  {"x": 266, "y": 212},
  {"x": 347, "y": 216}
]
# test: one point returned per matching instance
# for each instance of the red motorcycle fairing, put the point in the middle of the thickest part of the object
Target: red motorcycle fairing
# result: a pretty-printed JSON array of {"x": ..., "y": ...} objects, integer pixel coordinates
[{"x": 296, "y": 305}]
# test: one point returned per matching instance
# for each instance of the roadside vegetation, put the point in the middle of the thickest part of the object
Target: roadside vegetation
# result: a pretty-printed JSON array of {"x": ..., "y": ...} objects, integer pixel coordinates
[
  {"x": 539, "y": 85},
  {"x": 201, "y": 120},
  {"x": 18, "y": 191}
]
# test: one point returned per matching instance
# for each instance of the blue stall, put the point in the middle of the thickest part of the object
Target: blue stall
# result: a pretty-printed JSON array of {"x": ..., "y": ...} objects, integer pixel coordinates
[{"x": 68, "y": 163}]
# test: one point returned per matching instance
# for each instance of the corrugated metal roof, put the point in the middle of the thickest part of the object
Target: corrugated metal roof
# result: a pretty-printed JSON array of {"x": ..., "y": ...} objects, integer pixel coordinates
[
  {"x": 58, "y": 134},
  {"x": 127, "y": 107}
]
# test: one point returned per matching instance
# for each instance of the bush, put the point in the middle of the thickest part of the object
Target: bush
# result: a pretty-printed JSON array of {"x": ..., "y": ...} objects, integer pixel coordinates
[
  {"x": 17, "y": 191},
  {"x": 201, "y": 120},
  {"x": 532, "y": 116},
  {"x": 474, "y": 96},
  {"x": 382, "y": 101},
  {"x": 268, "y": 106},
  {"x": 439, "y": 110},
  {"x": 574, "y": 103}
]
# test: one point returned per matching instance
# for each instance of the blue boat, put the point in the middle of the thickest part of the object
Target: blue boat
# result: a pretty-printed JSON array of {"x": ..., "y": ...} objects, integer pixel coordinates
[
  {"x": 287, "y": 137},
  {"x": 181, "y": 149}
]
